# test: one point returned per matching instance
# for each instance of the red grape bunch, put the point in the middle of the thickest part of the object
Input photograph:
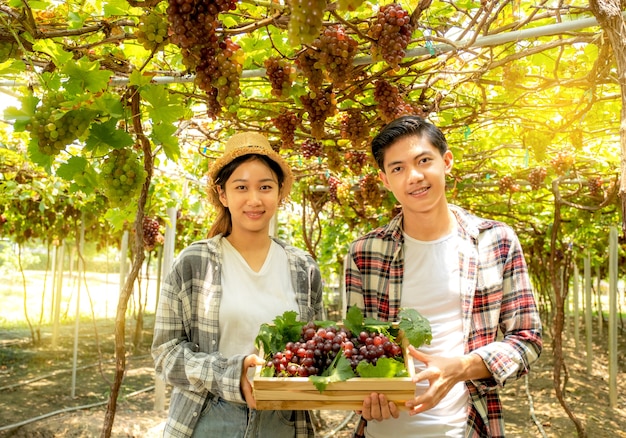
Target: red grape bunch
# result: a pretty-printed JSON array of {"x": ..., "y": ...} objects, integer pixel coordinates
[
  {"x": 370, "y": 192},
  {"x": 391, "y": 31},
  {"x": 311, "y": 69},
  {"x": 217, "y": 63},
  {"x": 390, "y": 102},
  {"x": 336, "y": 51},
  {"x": 281, "y": 75},
  {"x": 317, "y": 347},
  {"x": 287, "y": 122},
  {"x": 305, "y": 21},
  {"x": 121, "y": 176},
  {"x": 310, "y": 355},
  {"x": 354, "y": 127},
  {"x": 563, "y": 162},
  {"x": 507, "y": 184},
  {"x": 334, "y": 158},
  {"x": 311, "y": 148},
  {"x": 151, "y": 233},
  {"x": 152, "y": 31},
  {"x": 230, "y": 64},
  {"x": 53, "y": 129},
  {"x": 319, "y": 106},
  {"x": 204, "y": 61},
  {"x": 356, "y": 160},
  {"x": 193, "y": 23},
  {"x": 333, "y": 188},
  {"x": 595, "y": 186},
  {"x": 537, "y": 177}
]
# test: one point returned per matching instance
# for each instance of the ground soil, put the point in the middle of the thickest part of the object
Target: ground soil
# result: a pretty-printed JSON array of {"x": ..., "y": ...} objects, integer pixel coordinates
[{"x": 36, "y": 395}]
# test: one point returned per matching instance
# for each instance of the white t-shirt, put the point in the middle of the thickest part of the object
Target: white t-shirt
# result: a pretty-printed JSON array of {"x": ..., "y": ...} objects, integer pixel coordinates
[
  {"x": 251, "y": 298},
  {"x": 431, "y": 285}
]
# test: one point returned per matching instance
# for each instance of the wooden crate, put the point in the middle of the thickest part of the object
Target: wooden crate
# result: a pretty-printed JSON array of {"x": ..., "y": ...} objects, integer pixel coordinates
[{"x": 299, "y": 393}]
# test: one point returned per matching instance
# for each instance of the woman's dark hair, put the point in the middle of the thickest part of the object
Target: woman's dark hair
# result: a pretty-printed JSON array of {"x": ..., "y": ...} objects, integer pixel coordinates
[
  {"x": 403, "y": 127},
  {"x": 223, "y": 223}
]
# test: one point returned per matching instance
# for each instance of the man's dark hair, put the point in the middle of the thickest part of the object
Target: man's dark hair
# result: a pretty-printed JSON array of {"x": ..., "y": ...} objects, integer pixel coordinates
[{"x": 403, "y": 127}]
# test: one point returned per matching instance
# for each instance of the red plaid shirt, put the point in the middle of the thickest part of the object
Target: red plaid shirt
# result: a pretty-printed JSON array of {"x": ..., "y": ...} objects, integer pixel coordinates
[{"x": 496, "y": 294}]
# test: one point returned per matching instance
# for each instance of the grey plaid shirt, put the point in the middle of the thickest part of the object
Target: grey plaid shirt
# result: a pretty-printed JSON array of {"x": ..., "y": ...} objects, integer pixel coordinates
[{"x": 186, "y": 332}]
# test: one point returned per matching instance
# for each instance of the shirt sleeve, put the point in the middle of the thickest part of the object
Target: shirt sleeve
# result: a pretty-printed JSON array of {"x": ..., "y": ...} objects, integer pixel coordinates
[
  {"x": 353, "y": 283},
  {"x": 519, "y": 322},
  {"x": 182, "y": 352}
]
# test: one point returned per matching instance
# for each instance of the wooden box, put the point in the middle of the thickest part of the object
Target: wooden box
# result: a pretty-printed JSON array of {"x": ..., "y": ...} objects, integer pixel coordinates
[{"x": 299, "y": 393}]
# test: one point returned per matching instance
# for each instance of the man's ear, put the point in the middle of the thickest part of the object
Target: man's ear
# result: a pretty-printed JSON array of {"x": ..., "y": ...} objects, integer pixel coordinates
[{"x": 383, "y": 177}]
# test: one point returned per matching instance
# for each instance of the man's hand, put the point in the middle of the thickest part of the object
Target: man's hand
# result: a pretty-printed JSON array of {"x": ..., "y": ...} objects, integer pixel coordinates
[
  {"x": 443, "y": 373},
  {"x": 377, "y": 408},
  {"x": 250, "y": 361}
]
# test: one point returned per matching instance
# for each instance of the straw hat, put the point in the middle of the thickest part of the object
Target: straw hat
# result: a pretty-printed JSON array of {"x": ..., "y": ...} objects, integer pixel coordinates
[{"x": 243, "y": 144}]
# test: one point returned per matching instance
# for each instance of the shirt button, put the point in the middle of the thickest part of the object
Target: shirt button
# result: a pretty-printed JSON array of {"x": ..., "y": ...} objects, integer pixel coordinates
[{"x": 195, "y": 414}]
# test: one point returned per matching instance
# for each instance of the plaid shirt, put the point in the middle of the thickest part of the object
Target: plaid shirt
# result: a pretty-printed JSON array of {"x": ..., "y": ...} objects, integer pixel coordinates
[
  {"x": 495, "y": 292},
  {"x": 186, "y": 332}
]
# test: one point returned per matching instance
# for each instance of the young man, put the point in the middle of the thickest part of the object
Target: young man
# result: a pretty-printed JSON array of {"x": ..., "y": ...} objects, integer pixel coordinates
[{"x": 465, "y": 274}]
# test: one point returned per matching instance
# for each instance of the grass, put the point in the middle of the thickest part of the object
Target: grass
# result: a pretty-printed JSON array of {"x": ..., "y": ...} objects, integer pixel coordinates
[{"x": 97, "y": 291}]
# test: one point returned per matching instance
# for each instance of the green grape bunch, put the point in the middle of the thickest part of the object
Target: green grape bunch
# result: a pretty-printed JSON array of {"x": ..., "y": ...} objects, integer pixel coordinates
[
  {"x": 305, "y": 21},
  {"x": 53, "y": 128},
  {"x": 121, "y": 176},
  {"x": 152, "y": 31}
]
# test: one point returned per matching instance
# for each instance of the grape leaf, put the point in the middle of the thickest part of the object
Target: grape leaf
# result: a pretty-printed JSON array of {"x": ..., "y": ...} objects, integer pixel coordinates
[
  {"x": 339, "y": 371},
  {"x": 274, "y": 337},
  {"x": 385, "y": 367},
  {"x": 73, "y": 166},
  {"x": 416, "y": 327},
  {"x": 354, "y": 320}
]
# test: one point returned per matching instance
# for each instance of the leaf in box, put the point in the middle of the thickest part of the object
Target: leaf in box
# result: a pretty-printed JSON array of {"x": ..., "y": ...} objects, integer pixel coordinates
[
  {"x": 415, "y": 327},
  {"x": 339, "y": 371},
  {"x": 384, "y": 367},
  {"x": 272, "y": 338}
]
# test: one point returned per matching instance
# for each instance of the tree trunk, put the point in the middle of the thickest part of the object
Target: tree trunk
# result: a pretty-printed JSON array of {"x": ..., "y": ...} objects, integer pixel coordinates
[
  {"x": 558, "y": 266},
  {"x": 610, "y": 16},
  {"x": 139, "y": 256}
]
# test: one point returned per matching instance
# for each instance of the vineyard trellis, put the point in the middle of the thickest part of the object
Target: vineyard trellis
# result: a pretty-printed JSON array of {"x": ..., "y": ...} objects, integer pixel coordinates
[{"x": 527, "y": 95}]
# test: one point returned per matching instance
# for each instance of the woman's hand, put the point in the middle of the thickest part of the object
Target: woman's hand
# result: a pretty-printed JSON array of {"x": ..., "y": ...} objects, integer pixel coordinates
[
  {"x": 250, "y": 361},
  {"x": 376, "y": 407}
]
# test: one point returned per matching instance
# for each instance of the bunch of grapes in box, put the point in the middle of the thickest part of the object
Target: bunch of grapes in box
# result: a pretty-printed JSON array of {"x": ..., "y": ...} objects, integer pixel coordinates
[
  {"x": 325, "y": 351},
  {"x": 318, "y": 347}
]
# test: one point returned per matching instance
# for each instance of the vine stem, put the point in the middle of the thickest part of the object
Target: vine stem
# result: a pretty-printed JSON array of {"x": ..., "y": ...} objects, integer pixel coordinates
[{"x": 138, "y": 259}]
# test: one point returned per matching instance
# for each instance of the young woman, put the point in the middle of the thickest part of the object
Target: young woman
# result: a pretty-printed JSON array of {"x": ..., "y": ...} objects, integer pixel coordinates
[{"x": 218, "y": 293}]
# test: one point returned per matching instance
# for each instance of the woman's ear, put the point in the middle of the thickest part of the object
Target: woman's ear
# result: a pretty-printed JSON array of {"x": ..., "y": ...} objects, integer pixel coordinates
[{"x": 222, "y": 195}]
